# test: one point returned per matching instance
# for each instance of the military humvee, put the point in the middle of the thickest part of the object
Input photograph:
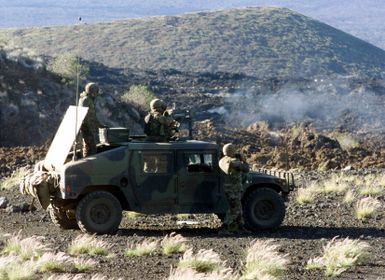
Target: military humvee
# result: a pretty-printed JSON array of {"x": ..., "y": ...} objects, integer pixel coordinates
[{"x": 152, "y": 178}]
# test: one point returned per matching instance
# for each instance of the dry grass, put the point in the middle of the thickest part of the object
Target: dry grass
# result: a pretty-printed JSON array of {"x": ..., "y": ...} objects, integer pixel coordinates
[
  {"x": 308, "y": 194},
  {"x": 370, "y": 190},
  {"x": 366, "y": 207},
  {"x": 51, "y": 262},
  {"x": 13, "y": 268},
  {"x": 14, "y": 180},
  {"x": 338, "y": 186},
  {"x": 339, "y": 255},
  {"x": 205, "y": 261},
  {"x": 349, "y": 196},
  {"x": 132, "y": 214},
  {"x": 263, "y": 259},
  {"x": 24, "y": 259},
  {"x": 381, "y": 181},
  {"x": 342, "y": 183},
  {"x": 88, "y": 245},
  {"x": 371, "y": 184},
  {"x": 83, "y": 265},
  {"x": 141, "y": 249},
  {"x": 187, "y": 273},
  {"x": 305, "y": 196},
  {"x": 66, "y": 276},
  {"x": 27, "y": 248},
  {"x": 79, "y": 277},
  {"x": 337, "y": 183},
  {"x": 173, "y": 243}
]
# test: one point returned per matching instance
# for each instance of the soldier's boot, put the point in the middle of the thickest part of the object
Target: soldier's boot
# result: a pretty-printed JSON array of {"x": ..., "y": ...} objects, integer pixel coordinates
[
  {"x": 230, "y": 229},
  {"x": 224, "y": 232},
  {"x": 245, "y": 230}
]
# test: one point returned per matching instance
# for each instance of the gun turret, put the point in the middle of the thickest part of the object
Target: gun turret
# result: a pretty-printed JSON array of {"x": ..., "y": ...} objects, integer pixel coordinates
[{"x": 184, "y": 118}]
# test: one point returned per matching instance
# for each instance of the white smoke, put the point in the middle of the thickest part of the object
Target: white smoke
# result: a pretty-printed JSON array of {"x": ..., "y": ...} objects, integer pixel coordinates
[{"x": 324, "y": 103}]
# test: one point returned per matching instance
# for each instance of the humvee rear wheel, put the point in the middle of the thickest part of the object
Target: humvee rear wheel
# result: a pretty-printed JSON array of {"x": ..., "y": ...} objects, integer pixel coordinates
[
  {"x": 99, "y": 212},
  {"x": 263, "y": 208},
  {"x": 60, "y": 218}
]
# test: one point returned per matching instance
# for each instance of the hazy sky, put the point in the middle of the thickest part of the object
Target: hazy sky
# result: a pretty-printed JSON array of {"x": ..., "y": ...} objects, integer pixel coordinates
[{"x": 18, "y": 13}]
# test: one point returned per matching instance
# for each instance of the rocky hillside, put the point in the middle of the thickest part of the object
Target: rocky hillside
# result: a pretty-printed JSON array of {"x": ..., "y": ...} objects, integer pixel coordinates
[
  {"x": 29, "y": 98},
  {"x": 240, "y": 88},
  {"x": 259, "y": 42},
  {"x": 33, "y": 102}
]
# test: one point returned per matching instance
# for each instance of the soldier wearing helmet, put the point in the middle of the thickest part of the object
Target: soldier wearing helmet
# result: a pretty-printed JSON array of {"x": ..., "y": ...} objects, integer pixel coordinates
[
  {"x": 159, "y": 125},
  {"x": 235, "y": 168},
  {"x": 91, "y": 124}
]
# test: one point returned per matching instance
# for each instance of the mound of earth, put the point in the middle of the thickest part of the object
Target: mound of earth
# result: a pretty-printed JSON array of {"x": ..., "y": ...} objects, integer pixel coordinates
[
  {"x": 263, "y": 42},
  {"x": 297, "y": 148}
]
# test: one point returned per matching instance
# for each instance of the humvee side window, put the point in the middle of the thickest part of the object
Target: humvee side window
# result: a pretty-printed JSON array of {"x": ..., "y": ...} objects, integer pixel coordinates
[
  {"x": 199, "y": 162},
  {"x": 155, "y": 163}
]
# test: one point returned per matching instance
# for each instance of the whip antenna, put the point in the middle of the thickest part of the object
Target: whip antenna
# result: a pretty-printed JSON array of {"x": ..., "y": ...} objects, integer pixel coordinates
[{"x": 77, "y": 90}]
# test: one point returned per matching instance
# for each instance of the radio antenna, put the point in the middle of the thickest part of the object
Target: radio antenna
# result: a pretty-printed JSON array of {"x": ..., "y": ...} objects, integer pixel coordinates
[{"x": 77, "y": 88}]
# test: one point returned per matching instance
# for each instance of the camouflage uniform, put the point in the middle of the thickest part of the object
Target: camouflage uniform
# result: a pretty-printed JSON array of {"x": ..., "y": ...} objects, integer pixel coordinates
[
  {"x": 160, "y": 126},
  {"x": 91, "y": 124},
  {"x": 235, "y": 169}
]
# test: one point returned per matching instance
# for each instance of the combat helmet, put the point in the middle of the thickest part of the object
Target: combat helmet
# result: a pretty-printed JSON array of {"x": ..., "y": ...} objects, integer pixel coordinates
[
  {"x": 157, "y": 105},
  {"x": 92, "y": 88},
  {"x": 229, "y": 150}
]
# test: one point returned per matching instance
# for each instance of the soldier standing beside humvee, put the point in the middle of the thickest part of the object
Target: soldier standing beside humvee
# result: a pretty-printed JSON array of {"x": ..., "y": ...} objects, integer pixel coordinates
[
  {"x": 91, "y": 124},
  {"x": 235, "y": 168}
]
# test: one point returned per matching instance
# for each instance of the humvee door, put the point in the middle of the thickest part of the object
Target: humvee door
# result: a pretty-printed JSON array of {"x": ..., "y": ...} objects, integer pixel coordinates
[
  {"x": 154, "y": 180},
  {"x": 198, "y": 181}
]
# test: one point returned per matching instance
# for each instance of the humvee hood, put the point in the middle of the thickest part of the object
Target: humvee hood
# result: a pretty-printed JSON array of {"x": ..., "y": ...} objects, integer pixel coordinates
[{"x": 263, "y": 178}]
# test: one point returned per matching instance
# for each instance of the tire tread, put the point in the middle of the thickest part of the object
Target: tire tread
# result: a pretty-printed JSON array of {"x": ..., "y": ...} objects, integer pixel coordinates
[{"x": 252, "y": 196}]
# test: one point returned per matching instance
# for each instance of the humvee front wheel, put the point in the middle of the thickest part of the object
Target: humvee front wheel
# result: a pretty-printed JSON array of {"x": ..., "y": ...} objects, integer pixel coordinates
[
  {"x": 263, "y": 208},
  {"x": 99, "y": 212},
  {"x": 60, "y": 218}
]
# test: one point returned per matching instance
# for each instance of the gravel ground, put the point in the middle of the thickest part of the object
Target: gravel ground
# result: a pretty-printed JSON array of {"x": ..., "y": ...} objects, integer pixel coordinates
[{"x": 305, "y": 230}]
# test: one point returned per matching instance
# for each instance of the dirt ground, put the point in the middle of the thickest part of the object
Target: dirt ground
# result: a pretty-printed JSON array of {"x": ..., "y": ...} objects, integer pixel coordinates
[{"x": 303, "y": 233}]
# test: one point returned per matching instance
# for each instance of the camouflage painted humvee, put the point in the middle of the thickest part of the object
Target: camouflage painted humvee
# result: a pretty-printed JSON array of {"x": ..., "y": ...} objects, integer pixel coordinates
[{"x": 151, "y": 178}]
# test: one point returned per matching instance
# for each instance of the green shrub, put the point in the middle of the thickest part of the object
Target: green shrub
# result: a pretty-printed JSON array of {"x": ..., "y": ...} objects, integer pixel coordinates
[
  {"x": 140, "y": 96},
  {"x": 67, "y": 66}
]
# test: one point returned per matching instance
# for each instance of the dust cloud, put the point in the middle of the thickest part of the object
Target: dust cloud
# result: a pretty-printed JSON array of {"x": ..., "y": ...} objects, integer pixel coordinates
[{"x": 324, "y": 103}]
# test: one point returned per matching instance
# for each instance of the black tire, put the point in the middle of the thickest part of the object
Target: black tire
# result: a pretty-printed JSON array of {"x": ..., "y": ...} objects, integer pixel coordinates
[
  {"x": 99, "y": 212},
  {"x": 263, "y": 208},
  {"x": 60, "y": 219}
]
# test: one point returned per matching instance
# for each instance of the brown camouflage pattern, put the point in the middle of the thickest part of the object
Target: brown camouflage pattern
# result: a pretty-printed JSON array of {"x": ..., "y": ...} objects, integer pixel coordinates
[
  {"x": 235, "y": 170},
  {"x": 161, "y": 125},
  {"x": 89, "y": 128}
]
